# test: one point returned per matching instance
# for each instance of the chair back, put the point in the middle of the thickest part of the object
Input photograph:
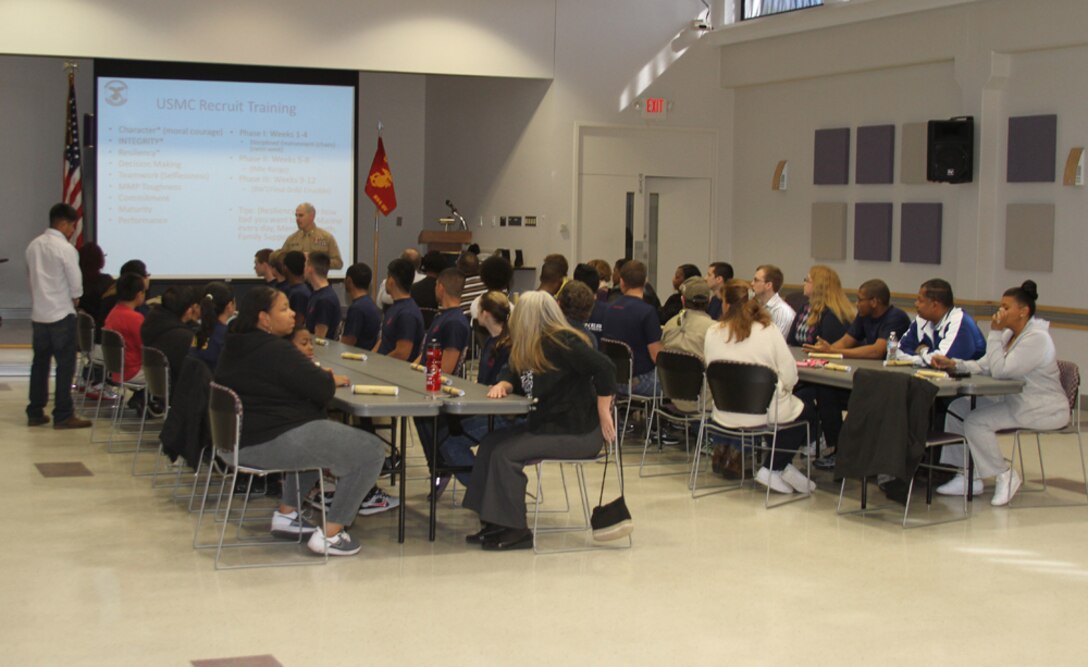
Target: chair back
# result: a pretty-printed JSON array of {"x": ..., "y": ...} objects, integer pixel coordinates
[
  {"x": 84, "y": 333},
  {"x": 428, "y": 317},
  {"x": 156, "y": 373},
  {"x": 796, "y": 300},
  {"x": 1069, "y": 374},
  {"x": 113, "y": 352},
  {"x": 225, "y": 421},
  {"x": 740, "y": 387},
  {"x": 620, "y": 354},
  {"x": 681, "y": 375}
]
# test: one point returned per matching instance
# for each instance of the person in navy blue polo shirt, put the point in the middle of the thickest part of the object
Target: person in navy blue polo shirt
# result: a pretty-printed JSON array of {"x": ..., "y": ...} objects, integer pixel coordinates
[
  {"x": 631, "y": 320},
  {"x": 298, "y": 292},
  {"x": 451, "y": 331},
  {"x": 716, "y": 276},
  {"x": 940, "y": 328},
  {"x": 584, "y": 273},
  {"x": 450, "y": 327},
  {"x": 402, "y": 326},
  {"x": 363, "y": 322},
  {"x": 323, "y": 308},
  {"x": 867, "y": 338}
]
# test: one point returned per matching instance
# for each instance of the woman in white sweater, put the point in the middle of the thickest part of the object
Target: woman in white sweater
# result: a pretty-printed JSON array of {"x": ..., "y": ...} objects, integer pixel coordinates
[
  {"x": 746, "y": 333},
  {"x": 1019, "y": 347}
]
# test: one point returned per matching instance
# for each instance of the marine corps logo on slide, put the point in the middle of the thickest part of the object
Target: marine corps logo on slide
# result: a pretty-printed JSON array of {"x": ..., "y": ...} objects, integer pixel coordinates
[
  {"x": 381, "y": 179},
  {"x": 118, "y": 93}
]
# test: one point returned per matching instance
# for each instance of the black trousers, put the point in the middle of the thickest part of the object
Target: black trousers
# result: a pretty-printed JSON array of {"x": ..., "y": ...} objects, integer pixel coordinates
[{"x": 497, "y": 489}]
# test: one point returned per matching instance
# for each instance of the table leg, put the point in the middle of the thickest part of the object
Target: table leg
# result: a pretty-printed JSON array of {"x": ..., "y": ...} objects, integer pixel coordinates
[
  {"x": 399, "y": 468},
  {"x": 433, "y": 495}
]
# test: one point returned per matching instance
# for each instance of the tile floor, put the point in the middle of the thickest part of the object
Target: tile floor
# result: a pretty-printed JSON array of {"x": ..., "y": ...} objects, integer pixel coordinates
[{"x": 99, "y": 571}]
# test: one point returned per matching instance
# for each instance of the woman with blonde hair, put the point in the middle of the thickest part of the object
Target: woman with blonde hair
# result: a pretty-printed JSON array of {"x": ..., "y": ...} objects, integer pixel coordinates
[
  {"x": 828, "y": 313},
  {"x": 572, "y": 386},
  {"x": 747, "y": 334}
]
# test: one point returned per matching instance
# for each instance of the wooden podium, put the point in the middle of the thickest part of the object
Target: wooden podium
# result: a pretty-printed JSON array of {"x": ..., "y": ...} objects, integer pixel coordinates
[{"x": 443, "y": 241}]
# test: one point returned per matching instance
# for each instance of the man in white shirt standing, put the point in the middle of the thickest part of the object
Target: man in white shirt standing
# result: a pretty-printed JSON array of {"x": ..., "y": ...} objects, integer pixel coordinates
[
  {"x": 55, "y": 287},
  {"x": 765, "y": 285}
]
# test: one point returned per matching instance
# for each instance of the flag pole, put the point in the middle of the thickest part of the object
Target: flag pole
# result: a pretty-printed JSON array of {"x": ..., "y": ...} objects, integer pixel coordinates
[{"x": 377, "y": 271}]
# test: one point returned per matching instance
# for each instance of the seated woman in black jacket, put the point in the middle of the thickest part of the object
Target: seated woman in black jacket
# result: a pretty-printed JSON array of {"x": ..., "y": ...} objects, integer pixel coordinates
[
  {"x": 573, "y": 385},
  {"x": 284, "y": 424}
]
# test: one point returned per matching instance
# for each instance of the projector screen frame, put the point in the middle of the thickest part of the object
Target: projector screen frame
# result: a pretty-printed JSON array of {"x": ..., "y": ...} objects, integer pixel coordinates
[{"x": 191, "y": 71}]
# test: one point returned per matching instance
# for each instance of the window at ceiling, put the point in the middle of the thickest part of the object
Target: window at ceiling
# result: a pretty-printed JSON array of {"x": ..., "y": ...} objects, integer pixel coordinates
[{"x": 757, "y": 8}]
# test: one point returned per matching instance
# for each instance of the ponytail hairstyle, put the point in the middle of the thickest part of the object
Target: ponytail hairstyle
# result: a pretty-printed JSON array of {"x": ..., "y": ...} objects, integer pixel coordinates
[
  {"x": 742, "y": 312},
  {"x": 178, "y": 299},
  {"x": 496, "y": 305},
  {"x": 216, "y": 297},
  {"x": 1026, "y": 295},
  {"x": 256, "y": 301}
]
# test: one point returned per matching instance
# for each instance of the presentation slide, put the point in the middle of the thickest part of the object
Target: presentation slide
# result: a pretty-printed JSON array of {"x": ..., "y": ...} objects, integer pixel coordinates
[{"x": 194, "y": 177}]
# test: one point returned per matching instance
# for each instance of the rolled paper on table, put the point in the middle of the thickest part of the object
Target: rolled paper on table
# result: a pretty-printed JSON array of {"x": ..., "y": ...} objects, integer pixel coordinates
[
  {"x": 898, "y": 362},
  {"x": 453, "y": 391},
  {"x": 354, "y": 356},
  {"x": 825, "y": 355},
  {"x": 931, "y": 374},
  {"x": 376, "y": 389},
  {"x": 423, "y": 369},
  {"x": 838, "y": 367},
  {"x": 320, "y": 341}
]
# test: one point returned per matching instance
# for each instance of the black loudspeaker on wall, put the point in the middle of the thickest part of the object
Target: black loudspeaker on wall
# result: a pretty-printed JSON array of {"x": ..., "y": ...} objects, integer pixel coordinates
[{"x": 951, "y": 149}]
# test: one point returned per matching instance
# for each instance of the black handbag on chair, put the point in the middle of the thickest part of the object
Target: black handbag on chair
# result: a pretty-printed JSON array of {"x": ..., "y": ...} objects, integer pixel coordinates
[{"x": 611, "y": 521}]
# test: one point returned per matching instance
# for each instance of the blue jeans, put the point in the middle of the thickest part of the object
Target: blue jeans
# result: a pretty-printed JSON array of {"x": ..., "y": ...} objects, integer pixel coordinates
[
  {"x": 645, "y": 384},
  {"x": 53, "y": 340},
  {"x": 456, "y": 450}
]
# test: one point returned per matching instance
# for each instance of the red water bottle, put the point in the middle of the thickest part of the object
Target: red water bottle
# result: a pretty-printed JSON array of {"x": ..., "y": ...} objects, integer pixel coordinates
[{"x": 434, "y": 368}]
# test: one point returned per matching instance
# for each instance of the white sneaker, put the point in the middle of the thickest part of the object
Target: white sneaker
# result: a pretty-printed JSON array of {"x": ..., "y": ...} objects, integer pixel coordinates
[
  {"x": 290, "y": 526},
  {"x": 773, "y": 480},
  {"x": 339, "y": 544},
  {"x": 955, "y": 487},
  {"x": 796, "y": 479},
  {"x": 1005, "y": 487}
]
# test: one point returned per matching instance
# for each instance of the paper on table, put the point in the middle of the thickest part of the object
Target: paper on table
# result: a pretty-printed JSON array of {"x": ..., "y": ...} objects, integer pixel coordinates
[
  {"x": 453, "y": 391},
  {"x": 423, "y": 369},
  {"x": 354, "y": 356},
  {"x": 931, "y": 375},
  {"x": 825, "y": 355},
  {"x": 838, "y": 367},
  {"x": 320, "y": 341},
  {"x": 898, "y": 362},
  {"x": 375, "y": 389}
]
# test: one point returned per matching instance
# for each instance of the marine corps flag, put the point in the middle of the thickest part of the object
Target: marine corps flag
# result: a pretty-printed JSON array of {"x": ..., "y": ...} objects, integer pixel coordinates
[{"x": 379, "y": 183}]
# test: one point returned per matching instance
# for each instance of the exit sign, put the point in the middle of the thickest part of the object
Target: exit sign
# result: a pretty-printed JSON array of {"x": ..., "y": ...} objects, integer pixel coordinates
[{"x": 655, "y": 107}]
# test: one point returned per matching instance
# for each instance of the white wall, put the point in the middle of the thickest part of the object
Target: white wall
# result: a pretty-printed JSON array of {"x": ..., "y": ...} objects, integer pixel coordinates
[
  {"x": 399, "y": 102},
  {"x": 33, "y": 112},
  {"x": 991, "y": 59},
  {"x": 484, "y": 37},
  {"x": 507, "y": 148}
]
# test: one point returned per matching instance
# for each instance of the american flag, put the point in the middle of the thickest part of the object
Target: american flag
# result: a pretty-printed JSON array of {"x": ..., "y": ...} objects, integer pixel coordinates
[{"x": 73, "y": 174}]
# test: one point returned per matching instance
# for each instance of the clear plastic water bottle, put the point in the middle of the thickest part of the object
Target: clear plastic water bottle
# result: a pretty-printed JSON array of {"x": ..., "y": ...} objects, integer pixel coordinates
[{"x": 893, "y": 347}]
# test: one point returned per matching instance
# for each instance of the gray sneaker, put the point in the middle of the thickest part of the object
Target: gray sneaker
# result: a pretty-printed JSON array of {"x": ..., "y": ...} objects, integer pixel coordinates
[
  {"x": 290, "y": 526},
  {"x": 339, "y": 544}
]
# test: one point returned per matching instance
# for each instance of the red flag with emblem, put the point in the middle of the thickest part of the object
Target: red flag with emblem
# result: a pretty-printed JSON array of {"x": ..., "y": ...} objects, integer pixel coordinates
[{"x": 379, "y": 183}]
